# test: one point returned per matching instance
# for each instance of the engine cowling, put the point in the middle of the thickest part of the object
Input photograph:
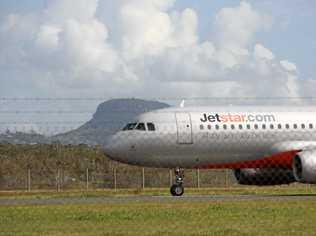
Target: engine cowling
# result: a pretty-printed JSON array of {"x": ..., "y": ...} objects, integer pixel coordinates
[
  {"x": 264, "y": 177},
  {"x": 304, "y": 167}
]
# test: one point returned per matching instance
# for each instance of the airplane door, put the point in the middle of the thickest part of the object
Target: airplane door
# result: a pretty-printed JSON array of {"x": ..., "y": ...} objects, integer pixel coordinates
[{"x": 184, "y": 126}]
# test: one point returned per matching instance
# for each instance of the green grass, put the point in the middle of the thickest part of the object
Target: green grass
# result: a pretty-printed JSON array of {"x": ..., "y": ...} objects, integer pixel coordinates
[{"x": 156, "y": 218}]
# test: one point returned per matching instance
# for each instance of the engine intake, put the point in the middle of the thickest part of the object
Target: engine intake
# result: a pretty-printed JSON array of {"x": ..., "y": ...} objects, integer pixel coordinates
[{"x": 304, "y": 167}]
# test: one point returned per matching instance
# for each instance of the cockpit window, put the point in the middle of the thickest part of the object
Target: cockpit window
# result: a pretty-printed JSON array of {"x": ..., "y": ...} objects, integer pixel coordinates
[
  {"x": 141, "y": 126},
  {"x": 130, "y": 126},
  {"x": 151, "y": 127}
]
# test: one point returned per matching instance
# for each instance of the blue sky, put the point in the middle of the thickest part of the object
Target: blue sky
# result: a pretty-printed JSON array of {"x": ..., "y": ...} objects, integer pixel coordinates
[{"x": 14, "y": 6}]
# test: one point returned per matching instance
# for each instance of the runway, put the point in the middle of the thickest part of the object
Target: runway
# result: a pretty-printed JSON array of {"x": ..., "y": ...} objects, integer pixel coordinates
[{"x": 154, "y": 199}]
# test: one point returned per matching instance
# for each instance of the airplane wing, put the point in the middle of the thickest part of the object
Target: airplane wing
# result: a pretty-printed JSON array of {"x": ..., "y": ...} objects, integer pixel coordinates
[{"x": 298, "y": 145}]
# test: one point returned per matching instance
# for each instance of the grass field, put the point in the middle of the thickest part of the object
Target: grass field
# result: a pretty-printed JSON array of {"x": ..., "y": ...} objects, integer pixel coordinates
[{"x": 264, "y": 217}]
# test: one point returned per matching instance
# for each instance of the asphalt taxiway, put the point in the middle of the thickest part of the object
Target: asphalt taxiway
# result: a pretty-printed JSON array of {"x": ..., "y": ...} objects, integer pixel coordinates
[{"x": 161, "y": 199}]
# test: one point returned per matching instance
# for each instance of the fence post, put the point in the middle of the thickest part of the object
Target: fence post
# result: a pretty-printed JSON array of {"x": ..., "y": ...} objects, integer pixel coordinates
[
  {"x": 115, "y": 181},
  {"x": 170, "y": 178},
  {"x": 29, "y": 179},
  {"x": 143, "y": 180},
  {"x": 198, "y": 178},
  {"x": 58, "y": 180},
  {"x": 87, "y": 179}
]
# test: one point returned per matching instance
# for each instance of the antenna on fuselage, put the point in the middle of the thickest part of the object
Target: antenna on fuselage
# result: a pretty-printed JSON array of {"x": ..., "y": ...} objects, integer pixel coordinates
[{"x": 182, "y": 104}]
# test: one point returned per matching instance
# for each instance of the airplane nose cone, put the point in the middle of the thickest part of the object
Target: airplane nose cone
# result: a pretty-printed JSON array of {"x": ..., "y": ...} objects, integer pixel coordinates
[
  {"x": 116, "y": 148},
  {"x": 110, "y": 148}
]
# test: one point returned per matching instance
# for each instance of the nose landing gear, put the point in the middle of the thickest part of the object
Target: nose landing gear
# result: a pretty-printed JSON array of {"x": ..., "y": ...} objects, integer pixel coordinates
[{"x": 177, "y": 189}]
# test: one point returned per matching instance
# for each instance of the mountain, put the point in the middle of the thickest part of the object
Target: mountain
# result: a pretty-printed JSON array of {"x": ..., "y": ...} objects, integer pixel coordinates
[{"x": 110, "y": 117}]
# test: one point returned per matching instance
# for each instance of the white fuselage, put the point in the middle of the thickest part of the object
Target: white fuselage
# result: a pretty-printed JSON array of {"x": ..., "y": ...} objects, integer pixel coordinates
[{"x": 199, "y": 136}]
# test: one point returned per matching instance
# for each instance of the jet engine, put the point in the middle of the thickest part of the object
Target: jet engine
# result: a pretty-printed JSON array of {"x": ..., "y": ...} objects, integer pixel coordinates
[
  {"x": 264, "y": 177},
  {"x": 304, "y": 167}
]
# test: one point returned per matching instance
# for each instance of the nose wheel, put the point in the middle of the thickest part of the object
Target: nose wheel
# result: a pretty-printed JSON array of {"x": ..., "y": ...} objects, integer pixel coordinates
[{"x": 177, "y": 189}]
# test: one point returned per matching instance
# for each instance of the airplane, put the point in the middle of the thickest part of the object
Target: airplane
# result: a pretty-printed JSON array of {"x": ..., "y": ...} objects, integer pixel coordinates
[{"x": 262, "y": 145}]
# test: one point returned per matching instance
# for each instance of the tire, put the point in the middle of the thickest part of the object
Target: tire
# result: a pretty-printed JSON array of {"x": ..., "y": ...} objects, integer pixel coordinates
[{"x": 177, "y": 190}]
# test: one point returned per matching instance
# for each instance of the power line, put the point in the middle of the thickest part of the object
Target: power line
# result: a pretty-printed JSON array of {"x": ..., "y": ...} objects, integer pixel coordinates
[
  {"x": 153, "y": 98},
  {"x": 42, "y": 123},
  {"x": 54, "y": 122},
  {"x": 45, "y": 112}
]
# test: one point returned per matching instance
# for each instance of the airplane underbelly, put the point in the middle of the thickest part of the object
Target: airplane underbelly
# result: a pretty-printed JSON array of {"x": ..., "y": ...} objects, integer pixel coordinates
[{"x": 199, "y": 153}]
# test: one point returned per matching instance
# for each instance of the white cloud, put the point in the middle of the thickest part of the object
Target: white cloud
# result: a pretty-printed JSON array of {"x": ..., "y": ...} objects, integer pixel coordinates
[
  {"x": 60, "y": 10},
  {"x": 86, "y": 46},
  {"x": 289, "y": 66},
  {"x": 48, "y": 37},
  {"x": 146, "y": 30},
  {"x": 145, "y": 45},
  {"x": 262, "y": 53},
  {"x": 236, "y": 27},
  {"x": 235, "y": 30}
]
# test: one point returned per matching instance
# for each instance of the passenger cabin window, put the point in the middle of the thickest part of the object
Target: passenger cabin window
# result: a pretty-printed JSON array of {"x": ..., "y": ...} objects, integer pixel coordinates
[
  {"x": 287, "y": 126},
  {"x": 311, "y": 126},
  {"x": 303, "y": 126},
  {"x": 295, "y": 126},
  {"x": 264, "y": 126},
  {"x": 129, "y": 126},
  {"x": 151, "y": 127},
  {"x": 141, "y": 126},
  {"x": 201, "y": 127},
  {"x": 209, "y": 127}
]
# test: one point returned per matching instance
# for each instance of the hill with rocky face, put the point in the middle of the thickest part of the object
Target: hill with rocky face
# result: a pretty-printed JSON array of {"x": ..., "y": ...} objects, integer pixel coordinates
[{"x": 108, "y": 119}]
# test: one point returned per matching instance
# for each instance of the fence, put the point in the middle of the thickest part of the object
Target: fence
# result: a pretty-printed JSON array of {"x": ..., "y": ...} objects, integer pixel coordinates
[
  {"x": 143, "y": 178},
  {"x": 24, "y": 167}
]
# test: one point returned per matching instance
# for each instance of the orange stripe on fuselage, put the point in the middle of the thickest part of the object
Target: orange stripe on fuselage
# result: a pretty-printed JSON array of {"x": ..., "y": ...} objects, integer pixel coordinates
[{"x": 280, "y": 160}]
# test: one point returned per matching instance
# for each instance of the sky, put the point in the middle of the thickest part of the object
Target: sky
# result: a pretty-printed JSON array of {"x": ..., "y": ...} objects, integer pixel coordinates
[{"x": 156, "y": 49}]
